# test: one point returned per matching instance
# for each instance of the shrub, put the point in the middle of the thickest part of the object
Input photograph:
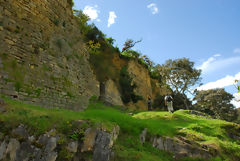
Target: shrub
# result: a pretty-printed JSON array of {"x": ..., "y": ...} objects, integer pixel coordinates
[
  {"x": 18, "y": 86},
  {"x": 59, "y": 44},
  {"x": 56, "y": 22},
  {"x": 127, "y": 87}
]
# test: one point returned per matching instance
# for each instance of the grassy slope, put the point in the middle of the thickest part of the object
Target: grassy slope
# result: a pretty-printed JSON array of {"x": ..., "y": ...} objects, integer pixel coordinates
[{"x": 128, "y": 146}]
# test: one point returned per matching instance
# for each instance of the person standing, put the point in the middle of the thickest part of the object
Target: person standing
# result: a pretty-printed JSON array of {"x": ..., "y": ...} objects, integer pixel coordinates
[
  {"x": 149, "y": 102},
  {"x": 169, "y": 103}
]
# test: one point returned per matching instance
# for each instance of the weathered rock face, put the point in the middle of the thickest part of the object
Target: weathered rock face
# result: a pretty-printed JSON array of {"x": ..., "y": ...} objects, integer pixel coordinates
[
  {"x": 142, "y": 79},
  {"x": 179, "y": 146},
  {"x": 43, "y": 59},
  {"x": 112, "y": 94},
  {"x": 50, "y": 147}
]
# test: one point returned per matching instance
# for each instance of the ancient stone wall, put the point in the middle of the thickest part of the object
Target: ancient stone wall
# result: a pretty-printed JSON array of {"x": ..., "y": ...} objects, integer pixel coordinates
[{"x": 42, "y": 57}]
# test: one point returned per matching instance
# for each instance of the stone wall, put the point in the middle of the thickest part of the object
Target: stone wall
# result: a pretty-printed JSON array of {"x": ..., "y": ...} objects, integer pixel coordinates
[{"x": 42, "y": 57}]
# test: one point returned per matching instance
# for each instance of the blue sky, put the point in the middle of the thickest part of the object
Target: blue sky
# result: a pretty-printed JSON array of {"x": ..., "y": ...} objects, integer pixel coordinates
[{"x": 205, "y": 31}]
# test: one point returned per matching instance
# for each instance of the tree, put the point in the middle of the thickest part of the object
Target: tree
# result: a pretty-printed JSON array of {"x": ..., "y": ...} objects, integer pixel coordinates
[
  {"x": 110, "y": 40},
  {"x": 217, "y": 103},
  {"x": 129, "y": 43},
  {"x": 82, "y": 20},
  {"x": 180, "y": 74}
]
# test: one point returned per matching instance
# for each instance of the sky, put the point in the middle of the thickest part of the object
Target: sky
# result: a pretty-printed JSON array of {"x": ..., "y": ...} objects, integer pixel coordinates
[{"x": 205, "y": 31}]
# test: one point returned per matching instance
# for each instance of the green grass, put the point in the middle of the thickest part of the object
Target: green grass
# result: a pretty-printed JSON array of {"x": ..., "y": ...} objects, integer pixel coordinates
[{"x": 204, "y": 131}]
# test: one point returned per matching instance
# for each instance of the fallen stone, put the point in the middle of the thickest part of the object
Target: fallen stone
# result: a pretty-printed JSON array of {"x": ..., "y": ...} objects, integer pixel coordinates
[{"x": 72, "y": 147}]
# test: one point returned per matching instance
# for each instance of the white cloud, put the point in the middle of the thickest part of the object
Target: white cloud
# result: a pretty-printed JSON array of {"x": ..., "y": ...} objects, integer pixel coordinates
[
  {"x": 236, "y": 100},
  {"x": 221, "y": 83},
  {"x": 237, "y": 96},
  {"x": 111, "y": 18},
  {"x": 236, "y": 51},
  {"x": 217, "y": 55},
  {"x": 213, "y": 64},
  {"x": 153, "y": 8},
  {"x": 205, "y": 65},
  {"x": 91, "y": 11}
]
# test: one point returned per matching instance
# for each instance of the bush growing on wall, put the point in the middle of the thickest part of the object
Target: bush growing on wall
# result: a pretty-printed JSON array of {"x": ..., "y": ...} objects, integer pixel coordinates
[{"x": 127, "y": 87}]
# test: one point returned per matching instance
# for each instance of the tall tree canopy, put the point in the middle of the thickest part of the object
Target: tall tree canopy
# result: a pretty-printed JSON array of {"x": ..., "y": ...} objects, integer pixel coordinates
[
  {"x": 217, "y": 103},
  {"x": 180, "y": 74}
]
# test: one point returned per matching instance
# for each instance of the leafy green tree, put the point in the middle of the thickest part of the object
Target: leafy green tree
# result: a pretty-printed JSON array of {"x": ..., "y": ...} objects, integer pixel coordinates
[
  {"x": 180, "y": 74},
  {"x": 82, "y": 20},
  {"x": 110, "y": 40},
  {"x": 217, "y": 103}
]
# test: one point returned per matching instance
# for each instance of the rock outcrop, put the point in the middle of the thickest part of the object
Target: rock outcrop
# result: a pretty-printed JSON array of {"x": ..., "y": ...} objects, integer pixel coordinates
[
  {"x": 179, "y": 146},
  {"x": 19, "y": 145},
  {"x": 43, "y": 59},
  {"x": 112, "y": 94}
]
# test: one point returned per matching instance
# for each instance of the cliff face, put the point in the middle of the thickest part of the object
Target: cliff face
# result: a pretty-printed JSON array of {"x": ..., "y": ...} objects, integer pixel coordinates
[
  {"x": 42, "y": 58},
  {"x": 142, "y": 79},
  {"x": 44, "y": 61}
]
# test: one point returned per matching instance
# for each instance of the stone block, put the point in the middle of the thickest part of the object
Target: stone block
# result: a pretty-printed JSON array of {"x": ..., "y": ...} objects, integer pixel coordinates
[
  {"x": 73, "y": 146},
  {"x": 89, "y": 139}
]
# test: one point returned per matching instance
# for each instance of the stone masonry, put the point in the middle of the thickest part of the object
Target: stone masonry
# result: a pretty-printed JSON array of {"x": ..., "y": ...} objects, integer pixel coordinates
[{"x": 42, "y": 57}]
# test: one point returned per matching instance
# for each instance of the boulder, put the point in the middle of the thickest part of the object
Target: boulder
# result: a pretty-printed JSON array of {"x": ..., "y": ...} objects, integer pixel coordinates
[
  {"x": 20, "y": 132},
  {"x": 51, "y": 144},
  {"x": 102, "y": 150},
  {"x": 72, "y": 147},
  {"x": 181, "y": 148},
  {"x": 12, "y": 149},
  {"x": 25, "y": 151}
]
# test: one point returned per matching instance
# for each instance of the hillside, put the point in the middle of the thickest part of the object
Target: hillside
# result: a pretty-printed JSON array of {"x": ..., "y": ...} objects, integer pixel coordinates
[
  {"x": 68, "y": 94},
  {"x": 46, "y": 59},
  {"x": 75, "y": 135}
]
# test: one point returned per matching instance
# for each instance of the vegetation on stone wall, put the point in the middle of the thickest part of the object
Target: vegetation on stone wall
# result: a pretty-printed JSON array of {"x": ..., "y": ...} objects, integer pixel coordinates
[{"x": 127, "y": 87}]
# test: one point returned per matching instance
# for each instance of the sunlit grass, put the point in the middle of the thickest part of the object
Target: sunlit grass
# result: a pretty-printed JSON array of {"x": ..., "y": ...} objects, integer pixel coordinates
[{"x": 204, "y": 131}]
